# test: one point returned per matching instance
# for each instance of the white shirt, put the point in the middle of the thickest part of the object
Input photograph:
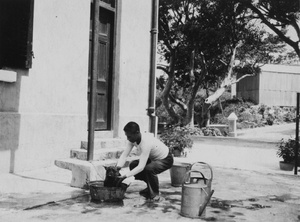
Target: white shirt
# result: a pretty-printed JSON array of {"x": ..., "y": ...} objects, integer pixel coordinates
[{"x": 149, "y": 147}]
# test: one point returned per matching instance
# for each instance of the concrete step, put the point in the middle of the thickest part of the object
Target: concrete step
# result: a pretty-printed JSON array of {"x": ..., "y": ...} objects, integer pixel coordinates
[
  {"x": 100, "y": 143},
  {"x": 100, "y": 154}
]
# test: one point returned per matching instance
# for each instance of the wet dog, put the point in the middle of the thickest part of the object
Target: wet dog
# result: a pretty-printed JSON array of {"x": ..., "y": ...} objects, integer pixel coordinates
[
  {"x": 112, "y": 180},
  {"x": 111, "y": 177}
]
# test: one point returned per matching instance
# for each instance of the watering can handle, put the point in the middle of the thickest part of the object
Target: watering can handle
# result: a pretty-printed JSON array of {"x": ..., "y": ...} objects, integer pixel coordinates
[
  {"x": 193, "y": 171},
  {"x": 211, "y": 172}
]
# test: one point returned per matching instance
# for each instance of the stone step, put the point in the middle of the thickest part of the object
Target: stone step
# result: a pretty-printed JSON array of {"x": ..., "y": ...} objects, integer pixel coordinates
[
  {"x": 100, "y": 143},
  {"x": 100, "y": 154}
]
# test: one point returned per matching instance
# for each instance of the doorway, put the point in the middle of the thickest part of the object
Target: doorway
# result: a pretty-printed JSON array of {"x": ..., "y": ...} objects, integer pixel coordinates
[{"x": 104, "y": 71}]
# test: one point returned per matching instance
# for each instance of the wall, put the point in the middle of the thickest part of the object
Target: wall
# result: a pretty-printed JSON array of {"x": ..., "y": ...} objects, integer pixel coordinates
[
  {"x": 248, "y": 88},
  {"x": 44, "y": 113},
  {"x": 279, "y": 85},
  {"x": 135, "y": 42},
  {"x": 276, "y": 85}
]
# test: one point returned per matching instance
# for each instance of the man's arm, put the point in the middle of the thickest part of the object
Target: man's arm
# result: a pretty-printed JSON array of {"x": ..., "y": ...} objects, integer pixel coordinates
[
  {"x": 142, "y": 163},
  {"x": 124, "y": 155}
]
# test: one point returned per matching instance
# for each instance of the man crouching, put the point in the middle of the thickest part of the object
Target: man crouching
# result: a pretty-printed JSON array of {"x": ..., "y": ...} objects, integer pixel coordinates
[{"x": 155, "y": 158}]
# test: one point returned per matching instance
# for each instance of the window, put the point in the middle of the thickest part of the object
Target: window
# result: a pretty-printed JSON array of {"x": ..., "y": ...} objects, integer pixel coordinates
[
  {"x": 109, "y": 2},
  {"x": 16, "y": 26}
]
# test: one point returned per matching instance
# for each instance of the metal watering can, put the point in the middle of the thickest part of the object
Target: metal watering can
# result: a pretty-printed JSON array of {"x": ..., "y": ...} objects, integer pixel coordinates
[{"x": 196, "y": 191}]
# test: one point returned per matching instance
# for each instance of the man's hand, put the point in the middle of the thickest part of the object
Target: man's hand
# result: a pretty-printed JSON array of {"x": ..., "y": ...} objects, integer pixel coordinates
[{"x": 122, "y": 177}]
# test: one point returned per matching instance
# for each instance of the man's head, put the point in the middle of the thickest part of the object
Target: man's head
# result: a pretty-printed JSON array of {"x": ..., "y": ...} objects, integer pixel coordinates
[{"x": 132, "y": 131}]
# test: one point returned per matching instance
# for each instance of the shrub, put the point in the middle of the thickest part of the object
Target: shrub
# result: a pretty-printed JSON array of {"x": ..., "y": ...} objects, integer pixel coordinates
[
  {"x": 195, "y": 131},
  {"x": 177, "y": 138},
  {"x": 211, "y": 131},
  {"x": 219, "y": 119},
  {"x": 245, "y": 116},
  {"x": 270, "y": 119},
  {"x": 289, "y": 116},
  {"x": 162, "y": 114},
  {"x": 286, "y": 150}
]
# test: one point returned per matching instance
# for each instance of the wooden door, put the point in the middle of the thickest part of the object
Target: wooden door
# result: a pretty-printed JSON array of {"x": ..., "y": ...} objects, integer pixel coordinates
[{"x": 104, "y": 69}]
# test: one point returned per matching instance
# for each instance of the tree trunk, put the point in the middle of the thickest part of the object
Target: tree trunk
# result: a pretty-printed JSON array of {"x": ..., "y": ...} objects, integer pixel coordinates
[
  {"x": 189, "y": 120},
  {"x": 167, "y": 89}
]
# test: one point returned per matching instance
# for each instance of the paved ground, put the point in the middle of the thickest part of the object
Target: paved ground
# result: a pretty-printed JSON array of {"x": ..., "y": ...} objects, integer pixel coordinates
[{"x": 246, "y": 179}]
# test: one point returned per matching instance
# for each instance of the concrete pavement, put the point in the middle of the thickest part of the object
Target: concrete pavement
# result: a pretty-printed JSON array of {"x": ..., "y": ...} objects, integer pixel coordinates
[{"x": 248, "y": 184}]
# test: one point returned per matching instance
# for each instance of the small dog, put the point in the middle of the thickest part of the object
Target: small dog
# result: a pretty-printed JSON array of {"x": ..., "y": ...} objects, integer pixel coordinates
[
  {"x": 111, "y": 177},
  {"x": 112, "y": 180}
]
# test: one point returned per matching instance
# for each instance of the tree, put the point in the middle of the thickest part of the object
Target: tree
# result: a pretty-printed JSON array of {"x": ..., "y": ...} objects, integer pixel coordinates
[
  {"x": 278, "y": 15},
  {"x": 199, "y": 41}
]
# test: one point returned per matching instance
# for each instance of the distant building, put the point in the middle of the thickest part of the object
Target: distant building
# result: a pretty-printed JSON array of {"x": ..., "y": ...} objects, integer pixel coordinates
[{"x": 276, "y": 85}]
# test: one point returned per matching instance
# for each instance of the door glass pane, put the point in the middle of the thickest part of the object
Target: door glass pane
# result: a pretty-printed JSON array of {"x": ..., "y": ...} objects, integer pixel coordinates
[{"x": 110, "y": 2}]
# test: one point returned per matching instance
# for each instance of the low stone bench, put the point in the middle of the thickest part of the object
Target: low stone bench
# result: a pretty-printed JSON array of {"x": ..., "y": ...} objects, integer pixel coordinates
[
  {"x": 219, "y": 126},
  {"x": 85, "y": 171}
]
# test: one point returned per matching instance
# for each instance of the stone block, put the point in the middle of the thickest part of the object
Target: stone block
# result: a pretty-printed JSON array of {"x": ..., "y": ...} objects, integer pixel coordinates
[
  {"x": 105, "y": 143},
  {"x": 84, "y": 171},
  {"x": 100, "y": 154}
]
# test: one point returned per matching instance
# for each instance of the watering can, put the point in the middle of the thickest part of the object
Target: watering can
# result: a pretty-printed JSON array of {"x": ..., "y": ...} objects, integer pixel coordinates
[{"x": 196, "y": 192}]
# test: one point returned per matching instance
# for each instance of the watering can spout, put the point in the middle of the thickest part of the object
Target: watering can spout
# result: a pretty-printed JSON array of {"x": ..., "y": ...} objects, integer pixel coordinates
[{"x": 206, "y": 201}]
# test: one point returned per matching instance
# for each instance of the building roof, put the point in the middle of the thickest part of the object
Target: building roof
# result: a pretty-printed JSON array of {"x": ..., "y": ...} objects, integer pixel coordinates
[{"x": 281, "y": 68}]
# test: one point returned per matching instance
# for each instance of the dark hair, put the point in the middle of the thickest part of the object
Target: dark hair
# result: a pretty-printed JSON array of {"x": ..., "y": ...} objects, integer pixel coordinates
[{"x": 132, "y": 127}]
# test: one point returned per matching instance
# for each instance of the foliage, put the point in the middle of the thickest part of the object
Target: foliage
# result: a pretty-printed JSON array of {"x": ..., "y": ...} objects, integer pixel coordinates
[
  {"x": 195, "y": 131},
  {"x": 177, "y": 138},
  {"x": 286, "y": 150},
  {"x": 162, "y": 114},
  {"x": 251, "y": 115},
  {"x": 278, "y": 16},
  {"x": 212, "y": 131},
  {"x": 219, "y": 119},
  {"x": 289, "y": 116},
  {"x": 196, "y": 41},
  {"x": 270, "y": 120}
]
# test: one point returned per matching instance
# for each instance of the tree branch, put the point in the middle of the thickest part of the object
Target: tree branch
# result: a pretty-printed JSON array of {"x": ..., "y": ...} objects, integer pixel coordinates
[
  {"x": 164, "y": 68},
  {"x": 244, "y": 76},
  {"x": 271, "y": 26}
]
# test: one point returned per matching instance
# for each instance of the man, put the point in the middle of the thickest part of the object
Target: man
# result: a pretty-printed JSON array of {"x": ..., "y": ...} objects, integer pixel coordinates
[{"x": 155, "y": 158}]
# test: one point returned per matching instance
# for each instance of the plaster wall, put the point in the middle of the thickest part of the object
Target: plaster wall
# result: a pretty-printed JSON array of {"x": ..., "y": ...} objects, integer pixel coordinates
[
  {"x": 135, "y": 43},
  {"x": 44, "y": 113}
]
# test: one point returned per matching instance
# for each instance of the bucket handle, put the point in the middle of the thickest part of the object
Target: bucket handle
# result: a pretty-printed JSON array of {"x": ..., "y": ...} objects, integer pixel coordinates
[
  {"x": 194, "y": 171},
  {"x": 211, "y": 172}
]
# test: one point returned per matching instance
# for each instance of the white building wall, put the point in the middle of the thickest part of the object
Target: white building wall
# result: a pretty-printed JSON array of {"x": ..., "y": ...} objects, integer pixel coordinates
[
  {"x": 135, "y": 48},
  {"x": 44, "y": 113}
]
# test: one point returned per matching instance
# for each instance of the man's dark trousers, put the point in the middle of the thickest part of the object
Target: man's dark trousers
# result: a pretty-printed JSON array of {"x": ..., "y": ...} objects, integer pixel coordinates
[{"x": 149, "y": 174}]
